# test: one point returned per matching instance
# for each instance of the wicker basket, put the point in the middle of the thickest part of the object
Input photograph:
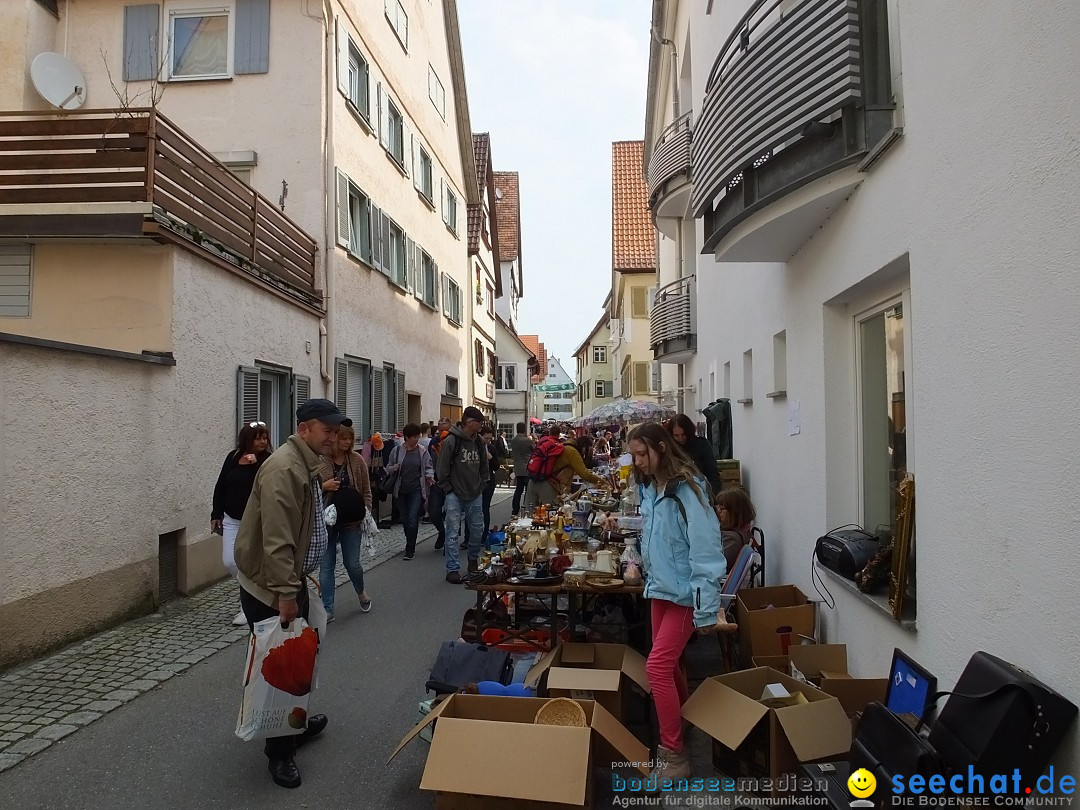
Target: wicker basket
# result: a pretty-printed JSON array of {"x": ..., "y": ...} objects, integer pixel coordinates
[{"x": 561, "y": 712}]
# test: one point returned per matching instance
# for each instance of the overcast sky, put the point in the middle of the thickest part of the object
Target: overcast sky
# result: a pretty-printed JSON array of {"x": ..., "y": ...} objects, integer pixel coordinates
[{"x": 555, "y": 82}]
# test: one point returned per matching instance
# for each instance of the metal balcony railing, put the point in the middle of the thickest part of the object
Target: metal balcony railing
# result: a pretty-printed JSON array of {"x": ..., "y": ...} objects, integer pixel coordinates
[
  {"x": 671, "y": 323},
  {"x": 671, "y": 155},
  {"x": 140, "y": 156}
]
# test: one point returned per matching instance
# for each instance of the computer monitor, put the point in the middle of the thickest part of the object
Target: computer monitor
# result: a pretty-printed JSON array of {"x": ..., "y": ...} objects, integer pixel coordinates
[{"x": 910, "y": 686}]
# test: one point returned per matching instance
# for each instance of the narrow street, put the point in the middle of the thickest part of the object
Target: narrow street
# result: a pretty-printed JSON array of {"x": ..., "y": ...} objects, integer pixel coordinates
[{"x": 173, "y": 745}]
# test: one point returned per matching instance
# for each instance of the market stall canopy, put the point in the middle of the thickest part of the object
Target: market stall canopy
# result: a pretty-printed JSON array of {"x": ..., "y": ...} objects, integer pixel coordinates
[{"x": 625, "y": 412}]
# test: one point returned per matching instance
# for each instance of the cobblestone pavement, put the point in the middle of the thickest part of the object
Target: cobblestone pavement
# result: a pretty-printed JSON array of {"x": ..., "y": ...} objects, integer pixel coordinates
[{"x": 55, "y": 696}]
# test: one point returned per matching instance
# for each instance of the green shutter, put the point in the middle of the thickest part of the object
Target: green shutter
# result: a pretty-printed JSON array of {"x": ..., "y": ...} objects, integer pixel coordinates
[{"x": 247, "y": 396}]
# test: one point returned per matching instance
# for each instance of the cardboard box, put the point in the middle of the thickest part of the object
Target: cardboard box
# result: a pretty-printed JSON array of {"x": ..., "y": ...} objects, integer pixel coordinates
[
  {"x": 768, "y": 616},
  {"x": 600, "y": 672},
  {"x": 825, "y": 666},
  {"x": 750, "y": 739},
  {"x": 471, "y": 727}
]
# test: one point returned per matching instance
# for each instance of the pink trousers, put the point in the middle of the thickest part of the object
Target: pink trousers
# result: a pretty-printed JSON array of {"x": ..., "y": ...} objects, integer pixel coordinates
[{"x": 672, "y": 626}]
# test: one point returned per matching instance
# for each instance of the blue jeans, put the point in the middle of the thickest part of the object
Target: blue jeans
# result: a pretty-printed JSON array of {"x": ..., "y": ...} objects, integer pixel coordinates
[
  {"x": 409, "y": 504},
  {"x": 473, "y": 512},
  {"x": 350, "y": 539}
]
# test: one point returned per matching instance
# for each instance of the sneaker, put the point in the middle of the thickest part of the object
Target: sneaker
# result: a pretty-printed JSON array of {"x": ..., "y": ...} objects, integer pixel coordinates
[
  {"x": 365, "y": 604},
  {"x": 454, "y": 578},
  {"x": 670, "y": 765},
  {"x": 239, "y": 619},
  {"x": 329, "y": 616},
  {"x": 408, "y": 555}
]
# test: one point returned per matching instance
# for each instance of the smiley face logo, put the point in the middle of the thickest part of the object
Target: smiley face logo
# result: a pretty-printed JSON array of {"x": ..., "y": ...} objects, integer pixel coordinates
[{"x": 862, "y": 783}]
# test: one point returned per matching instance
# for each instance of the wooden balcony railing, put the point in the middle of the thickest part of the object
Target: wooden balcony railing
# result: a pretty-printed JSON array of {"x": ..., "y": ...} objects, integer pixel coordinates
[{"x": 115, "y": 156}]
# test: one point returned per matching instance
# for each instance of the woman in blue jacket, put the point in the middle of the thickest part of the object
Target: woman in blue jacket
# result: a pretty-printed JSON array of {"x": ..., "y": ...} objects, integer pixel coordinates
[{"x": 683, "y": 556}]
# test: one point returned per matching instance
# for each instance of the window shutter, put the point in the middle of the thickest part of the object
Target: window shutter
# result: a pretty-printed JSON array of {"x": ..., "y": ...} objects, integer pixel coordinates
[
  {"x": 400, "y": 386},
  {"x": 14, "y": 281},
  {"x": 301, "y": 393},
  {"x": 251, "y": 53},
  {"x": 247, "y": 396},
  {"x": 387, "y": 251},
  {"x": 445, "y": 282},
  {"x": 384, "y": 117},
  {"x": 377, "y": 401},
  {"x": 344, "y": 221},
  {"x": 443, "y": 202},
  {"x": 375, "y": 218},
  {"x": 341, "y": 382},
  {"x": 609, "y": 388},
  {"x": 436, "y": 277},
  {"x": 342, "y": 58},
  {"x": 639, "y": 302},
  {"x": 410, "y": 265},
  {"x": 141, "y": 26},
  {"x": 414, "y": 148},
  {"x": 641, "y": 378},
  {"x": 406, "y": 147}
]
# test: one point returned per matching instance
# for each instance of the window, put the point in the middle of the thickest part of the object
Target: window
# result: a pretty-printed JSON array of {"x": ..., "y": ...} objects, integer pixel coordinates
[
  {"x": 270, "y": 394},
  {"x": 451, "y": 386},
  {"x": 492, "y": 364},
  {"x": 395, "y": 268},
  {"x": 599, "y": 354},
  {"x": 358, "y": 82},
  {"x": 490, "y": 301},
  {"x": 452, "y": 303},
  {"x": 436, "y": 92},
  {"x": 199, "y": 44},
  {"x": 429, "y": 276},
  {"x": 399, "y": 21},
  {"x": 388, "y": 399},
  {"x": 359, "y": 224},
  {"x": 882, "y": 413},
  {"x": 506, "y": 378},
  {"x": 352, "y": 392},
  {"x": 450, "y": 206},
  {"x": 423, "y": 177},
  {"x": 599, "y": 388},
  {"x": 478, "y": 357},
  {"x": 654, "y": 382},
  {"x": 395, "y": 133},
  {"x": 15, "y": 281}
]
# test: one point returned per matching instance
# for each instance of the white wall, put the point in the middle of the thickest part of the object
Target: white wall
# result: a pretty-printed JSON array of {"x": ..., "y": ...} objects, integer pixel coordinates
[{"x": 980, "y": 197}]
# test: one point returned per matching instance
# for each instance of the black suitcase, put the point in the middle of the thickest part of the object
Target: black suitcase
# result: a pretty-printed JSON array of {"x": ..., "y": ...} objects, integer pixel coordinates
[{"x": 998, "y": 718}]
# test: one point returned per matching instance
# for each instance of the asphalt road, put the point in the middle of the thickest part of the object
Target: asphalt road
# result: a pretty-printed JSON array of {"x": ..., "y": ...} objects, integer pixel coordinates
[{"x": 174, "y": 746}]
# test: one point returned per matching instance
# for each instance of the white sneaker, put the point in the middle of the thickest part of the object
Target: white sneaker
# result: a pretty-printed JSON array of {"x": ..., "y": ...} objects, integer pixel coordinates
[{"x": 239, "y": 619}]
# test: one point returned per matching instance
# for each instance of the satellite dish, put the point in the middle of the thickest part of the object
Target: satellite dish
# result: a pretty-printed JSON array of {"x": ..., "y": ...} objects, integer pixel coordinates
[{"x": 58, "y": 81}]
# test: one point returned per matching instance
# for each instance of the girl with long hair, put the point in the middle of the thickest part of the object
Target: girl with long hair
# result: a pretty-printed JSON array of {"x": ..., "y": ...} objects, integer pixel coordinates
[
  {"x": 684, "y": 565},
  {"x": 232, "y": 489}
]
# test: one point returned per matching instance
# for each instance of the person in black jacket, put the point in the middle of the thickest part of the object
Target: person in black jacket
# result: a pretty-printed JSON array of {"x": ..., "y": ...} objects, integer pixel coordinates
[
  {"x": 232, "y": 489},
  {"x": 698, "y": 448}
]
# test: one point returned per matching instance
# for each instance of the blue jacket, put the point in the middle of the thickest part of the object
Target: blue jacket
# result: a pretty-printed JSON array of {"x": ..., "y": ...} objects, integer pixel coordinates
[{"x": 684, "y": 558}]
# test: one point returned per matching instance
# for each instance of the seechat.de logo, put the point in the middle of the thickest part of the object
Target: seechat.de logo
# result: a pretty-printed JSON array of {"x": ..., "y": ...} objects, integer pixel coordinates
[{"x": 861, "y": 784}]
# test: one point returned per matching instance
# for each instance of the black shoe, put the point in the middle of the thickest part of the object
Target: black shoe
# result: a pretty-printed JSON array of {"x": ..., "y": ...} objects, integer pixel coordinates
[
  {"x": 473, "y": 566},
  {"x": 440, "y": 543},
  {"x": 315, "y": 725},
  {"x": 408, "y": 555},
  {"x": 454, "y": 578},
  {"x": 285, "y": 773}
]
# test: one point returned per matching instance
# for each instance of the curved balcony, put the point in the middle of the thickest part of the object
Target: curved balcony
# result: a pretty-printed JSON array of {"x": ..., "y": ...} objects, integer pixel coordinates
[
  {"x": 799, "y": 91},
  {"x": 668, "y": 176},
  {"x": 672, "y": 334}
]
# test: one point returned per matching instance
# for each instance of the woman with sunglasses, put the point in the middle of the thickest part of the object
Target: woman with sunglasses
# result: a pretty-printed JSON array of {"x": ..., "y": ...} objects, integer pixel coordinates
[{"x": 233, "y": 487}]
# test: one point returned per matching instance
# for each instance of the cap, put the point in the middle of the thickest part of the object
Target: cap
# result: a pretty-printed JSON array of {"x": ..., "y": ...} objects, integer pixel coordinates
[
  {"x": 324, "y": 410},
  {"x": 472, "y": 413}
]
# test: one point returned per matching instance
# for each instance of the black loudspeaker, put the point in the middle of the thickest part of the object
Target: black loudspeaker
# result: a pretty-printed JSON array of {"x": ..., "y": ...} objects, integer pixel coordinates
[{"x": 998, "y": 718}]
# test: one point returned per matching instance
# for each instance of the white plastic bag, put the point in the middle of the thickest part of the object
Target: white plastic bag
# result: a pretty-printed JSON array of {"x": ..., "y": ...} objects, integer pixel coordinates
[
  {"x": 330, "y": 515},
  {"x": 316, "y": 612},
  {"x": 371, "y": 528},
  {"x": 279, "y": 674}
]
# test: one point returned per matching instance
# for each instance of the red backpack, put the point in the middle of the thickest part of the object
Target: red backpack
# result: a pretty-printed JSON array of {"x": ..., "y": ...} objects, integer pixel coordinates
[{"x": 544, "y": 455}]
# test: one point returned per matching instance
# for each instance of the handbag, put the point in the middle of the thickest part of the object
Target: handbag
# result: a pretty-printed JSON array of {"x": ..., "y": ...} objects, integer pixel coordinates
[
  {"x": 330, "y": 515},
  {"x": 886, "y": 745}
]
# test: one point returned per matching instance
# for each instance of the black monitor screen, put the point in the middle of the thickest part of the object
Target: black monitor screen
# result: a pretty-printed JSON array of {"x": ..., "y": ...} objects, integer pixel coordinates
[{"x": 910, "y": 686}]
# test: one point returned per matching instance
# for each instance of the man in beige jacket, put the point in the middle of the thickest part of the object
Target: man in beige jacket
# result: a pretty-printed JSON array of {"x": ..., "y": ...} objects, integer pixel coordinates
[{"x": 281, "y": 539}]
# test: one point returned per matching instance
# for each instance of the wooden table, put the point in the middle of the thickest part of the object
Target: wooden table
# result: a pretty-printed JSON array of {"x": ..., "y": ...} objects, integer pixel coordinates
[
  {"x": 579, "y": 593},
  {"x": 512, "y": 628}
]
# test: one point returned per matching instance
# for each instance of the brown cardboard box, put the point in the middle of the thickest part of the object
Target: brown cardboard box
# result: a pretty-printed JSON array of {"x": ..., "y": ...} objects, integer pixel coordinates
[
  {"x": 471, "y": 727},
  {"x": 600, "y": 672},
  {"x": 749, "y": 739},
  {"x": 764, "y": 614},
  {"x": 825, "y": 666}
]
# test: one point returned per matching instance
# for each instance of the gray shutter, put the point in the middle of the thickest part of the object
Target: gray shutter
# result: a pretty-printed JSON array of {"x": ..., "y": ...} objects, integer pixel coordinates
[
  {"x": 609, "y": 388},
  {"x": 356, "y": 377},
  {"x": 141, "y": 30},
  {"x": 416, "y": 172},
  {"x": 410, "y": 265},
  {"x": 14, "y": 281},
  {"x": 445, "y": 283},
  {"x": 301, "y": 387},
  {"x": 342, "y": 42},
  {"x": 252, "y": 51},
  {"x": 375, "y": 218},
  {"x": 418, "y": 263},
  {"x": 406, "y": 147},
  {"x": 442, "y": 201},
  {"x": 387, "y": 252},
  {"x": 400, "y": 386},
  {"x": 341, "y": 376},
  {"x": 436, "y": 278},
  {"x": 247, "y": 396},
  {"x": 377, "y": 401},
  {"x": 384, "y": 117},
  {"x": 344, "y": 221}
]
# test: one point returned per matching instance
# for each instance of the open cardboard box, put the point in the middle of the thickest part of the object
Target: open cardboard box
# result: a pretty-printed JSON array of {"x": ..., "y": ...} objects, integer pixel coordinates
[
  {"x": 600, "y": 672},
  {"x": 826, "y": 666},
  {"x": 750, "y": 739},
  {"x": 556, "y": 760},
  {"x": 768, "y": 616}
]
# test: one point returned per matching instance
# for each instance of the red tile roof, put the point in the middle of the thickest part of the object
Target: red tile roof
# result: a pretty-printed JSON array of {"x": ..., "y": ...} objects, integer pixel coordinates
[
  {"x": 532, "y": 342},
  {"x": 508, "y": 215},
  {"x": 633, "y": 238},
  {"x": 482, "y": 152}
]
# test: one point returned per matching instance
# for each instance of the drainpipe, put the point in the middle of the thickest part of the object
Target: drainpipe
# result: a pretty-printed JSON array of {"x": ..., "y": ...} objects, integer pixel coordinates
[
  {"x": 680, "y": 383},
  {"x": 326, "y": 325}
]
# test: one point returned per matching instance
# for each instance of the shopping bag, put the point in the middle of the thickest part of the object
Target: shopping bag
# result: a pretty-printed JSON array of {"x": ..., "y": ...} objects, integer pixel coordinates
[
  {"x": 278, "y": 678},
  {"x": 371, "y": 528},
  {"x": 316, "y": 612}
]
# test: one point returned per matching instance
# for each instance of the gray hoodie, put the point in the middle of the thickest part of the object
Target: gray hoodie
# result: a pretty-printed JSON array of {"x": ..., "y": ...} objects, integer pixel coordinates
[{"x": 463, "y": 467}]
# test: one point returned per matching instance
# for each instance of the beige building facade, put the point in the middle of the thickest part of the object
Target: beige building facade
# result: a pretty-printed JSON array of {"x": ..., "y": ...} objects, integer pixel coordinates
[{"x": 595, "y": 383}]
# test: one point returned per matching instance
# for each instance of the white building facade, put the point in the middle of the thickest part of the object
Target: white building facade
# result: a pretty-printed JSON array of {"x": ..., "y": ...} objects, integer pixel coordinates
[
  {"x": 881, "y": 279},
  {"x": 555, "y": 395}
]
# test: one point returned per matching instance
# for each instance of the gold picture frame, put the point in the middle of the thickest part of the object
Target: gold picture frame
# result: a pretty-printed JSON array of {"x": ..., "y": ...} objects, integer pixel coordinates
[{"x": 905, "y": 530}]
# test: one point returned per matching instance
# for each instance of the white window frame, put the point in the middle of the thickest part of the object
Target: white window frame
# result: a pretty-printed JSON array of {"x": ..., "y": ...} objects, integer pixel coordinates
[
  {"x": 359, "y": 217},
  {"x": 359, "y": 82},
  {"x": 599, "y": 354},
  {"x": 501, "y": 381},
  {"x": 174, "y": 14},
  {"x": 453, "y": 302},
  {"x": 436, "y": 92},
  {"x": 429, "y": 278},
  {"x": 451, "y": 216},
  {"x": 399, "y": 21},
  {"x": 398, "y": 270},
  {"x": 395, "y": 132},
  {"x": 598, "y": 389},
  {"x": 452, "y": 386},
  {"x": 427, "y": 175}
]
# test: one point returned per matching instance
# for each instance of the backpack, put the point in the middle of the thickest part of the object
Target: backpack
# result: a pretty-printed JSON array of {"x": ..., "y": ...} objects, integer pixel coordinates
[{"x": 544, "y": 456}]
